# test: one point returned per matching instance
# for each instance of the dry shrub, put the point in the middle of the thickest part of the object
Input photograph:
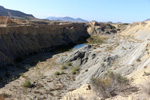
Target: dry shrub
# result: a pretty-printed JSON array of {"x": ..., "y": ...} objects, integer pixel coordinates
[
  {"x": 146, "y": 89},
  {"x": 3, "y": 96},
  {"x": 111, "y": 84}
]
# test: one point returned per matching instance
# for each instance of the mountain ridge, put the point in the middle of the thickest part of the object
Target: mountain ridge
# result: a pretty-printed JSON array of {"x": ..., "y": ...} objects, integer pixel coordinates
[
  {"x": 67, "y": 19},
  {"x": 15, "y": 14}
]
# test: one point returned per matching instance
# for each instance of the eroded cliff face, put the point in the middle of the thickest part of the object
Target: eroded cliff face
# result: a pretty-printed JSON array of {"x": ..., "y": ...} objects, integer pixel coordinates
[
  {"x": 20, "y": 41},
  {"x": 6, "y": 21},
  {"x": 97, "y": 28}
]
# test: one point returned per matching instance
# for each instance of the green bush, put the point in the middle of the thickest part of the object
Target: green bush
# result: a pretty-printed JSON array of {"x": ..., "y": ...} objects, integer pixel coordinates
[
  {"x": 118, "y": 29},
  {"x": 75, "y": 70},
  {"x": 63, "y": 67},
  {"x": 69, "y": 64},
  {"x": 27, "y": 83},
  {"x": 22, "y": 74},
  {"x": 57, "y": 73}
]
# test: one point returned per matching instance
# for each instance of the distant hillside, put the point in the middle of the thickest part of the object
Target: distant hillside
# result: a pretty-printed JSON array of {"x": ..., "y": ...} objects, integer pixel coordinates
[
  {"x": 147, "y": 19},
  {"x": 67, "y": 19},
  {"x": 14, "y": 14}
]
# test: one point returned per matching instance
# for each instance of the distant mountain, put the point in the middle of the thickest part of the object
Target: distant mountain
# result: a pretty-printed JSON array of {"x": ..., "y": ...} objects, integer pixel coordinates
[
  {"x": 14, "y": 14},
  {"x": 147, "y": 19},
  {"x": 66, "y": 19}
]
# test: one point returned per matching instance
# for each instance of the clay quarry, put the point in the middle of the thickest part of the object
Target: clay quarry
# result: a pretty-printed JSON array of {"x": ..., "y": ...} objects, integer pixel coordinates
[{"x": 38, "y": 60}]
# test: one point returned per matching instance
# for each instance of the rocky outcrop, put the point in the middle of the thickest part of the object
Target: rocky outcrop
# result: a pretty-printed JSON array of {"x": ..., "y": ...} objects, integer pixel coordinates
[
  {"x": 101, "y": 28},
  {"x": 82, "y": 93},
  {"x": 78, "y": 57},
  {"x": 91, "y": 63},
  {"x": 138, "y": 30},
  {"x": 6, "y": 21},
  {"x": 19, "y": 41}
]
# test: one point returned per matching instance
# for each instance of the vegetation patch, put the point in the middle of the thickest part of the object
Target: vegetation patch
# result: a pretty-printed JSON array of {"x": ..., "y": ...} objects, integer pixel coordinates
[
  {"x": 111, "y": 84},
  {"x": 63, "y": 67},
  {"x": 57, "y": 73},
  {"x": 97, "y": 39},
  {"x": 62, "y": 72},
  {"x": 27, "y": 83},
  {"x": 75, "y": 70},
  {"x": 22, "y": 75},
  {"x": 3, "y": 96},
  {"x": 69, "y": 63}
]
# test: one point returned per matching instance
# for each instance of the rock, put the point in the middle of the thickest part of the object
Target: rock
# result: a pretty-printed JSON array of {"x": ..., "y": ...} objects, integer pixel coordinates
[{"x": 78, "y": 57}]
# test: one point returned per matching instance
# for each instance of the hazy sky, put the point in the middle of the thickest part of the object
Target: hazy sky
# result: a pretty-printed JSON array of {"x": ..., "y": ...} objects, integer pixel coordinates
[{"x": 100, "y": 10}]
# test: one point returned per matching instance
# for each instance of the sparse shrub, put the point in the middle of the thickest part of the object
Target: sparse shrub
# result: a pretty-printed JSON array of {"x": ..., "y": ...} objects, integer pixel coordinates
[
  {"x": 22, "y": 74},
  {"x": 26, "y": 68},
  {"x": 75, "y": 70},
  {"x": 27, "y": 83},
  {"x": 96, "y": 39},
  {"x": 13, "y": 78},
  {"x": 57, "y": 73},
  {"x": 73, "y": 78},
  {"x": 63, "y": 67},
  {"x": 146, "y": 74},
  {"x": 109, "y": 48},
  {"x": 5, "y": 95},
  {"x": 110, "y": 84},
  {"x": 62, "y": 72},
  {"x": 123, "y": 48},
  {"x": 118, "y": 29},
  {"x": 69, "y": 64}
]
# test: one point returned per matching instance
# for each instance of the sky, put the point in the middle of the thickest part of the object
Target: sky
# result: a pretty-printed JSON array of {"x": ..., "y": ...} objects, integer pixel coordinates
[{"x": 99, "y": 10}]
